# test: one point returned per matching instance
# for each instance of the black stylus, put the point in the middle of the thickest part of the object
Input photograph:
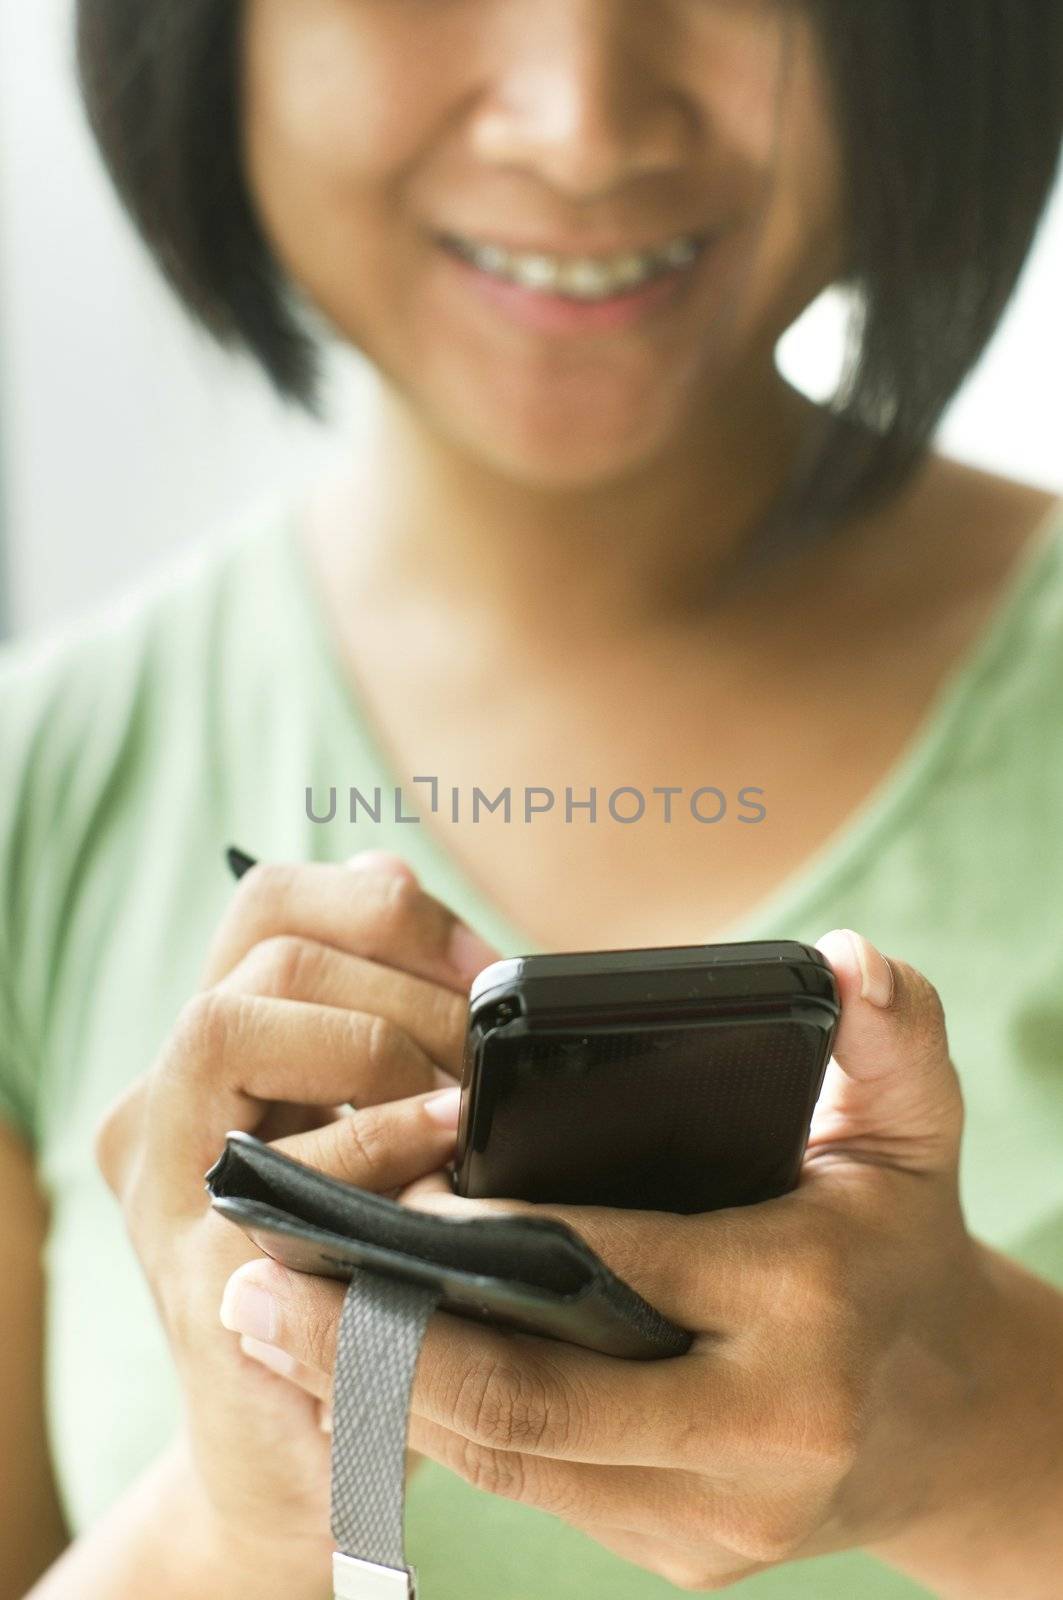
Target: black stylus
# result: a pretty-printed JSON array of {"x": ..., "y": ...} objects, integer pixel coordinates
[{"x": 239, "y": 861}]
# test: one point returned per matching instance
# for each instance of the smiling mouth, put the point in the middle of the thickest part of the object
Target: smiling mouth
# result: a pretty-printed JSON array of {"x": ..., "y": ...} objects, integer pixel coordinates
[{"x": 580, "y": 278}]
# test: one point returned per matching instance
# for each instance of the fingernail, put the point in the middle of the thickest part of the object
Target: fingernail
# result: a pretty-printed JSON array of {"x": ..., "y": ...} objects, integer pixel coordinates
[
  {"x": 267, "y": 1355},
  {"x": 245, "y": 1308},
  {"x": 444, "y": 1107},
  {"x": 876, "y": 974},
  {"x": 468, "y": 953},
  {"x": 326, "y": 1419}
]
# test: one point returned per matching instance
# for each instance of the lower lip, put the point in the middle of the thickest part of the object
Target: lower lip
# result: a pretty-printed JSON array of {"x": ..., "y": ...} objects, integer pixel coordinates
[{"x": 556, "y": 313}]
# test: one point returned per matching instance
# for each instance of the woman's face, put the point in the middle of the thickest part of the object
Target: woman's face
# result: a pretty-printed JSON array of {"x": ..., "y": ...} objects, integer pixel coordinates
[{"x": 573, "y": 141}]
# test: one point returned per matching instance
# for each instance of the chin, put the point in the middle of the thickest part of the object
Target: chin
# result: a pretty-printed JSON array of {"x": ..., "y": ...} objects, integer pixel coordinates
[
  {"x": 571, "y": 452},
  {"x": 563, "y": 465}
]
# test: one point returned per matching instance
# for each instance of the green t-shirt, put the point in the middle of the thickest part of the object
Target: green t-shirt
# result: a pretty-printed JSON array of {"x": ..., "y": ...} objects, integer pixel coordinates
[{"x": 133, "y": 749}]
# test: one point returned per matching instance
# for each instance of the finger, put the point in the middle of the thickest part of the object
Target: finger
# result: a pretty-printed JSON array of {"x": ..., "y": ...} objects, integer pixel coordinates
[
  {"x": 382, "y": 1147},
  {"x": 615, "y": 1497},
  {"x": 377, "y": 1149},
  {"x": 374, "y": 860},
  {"x": 695, "y": 1270},
  {"x": 378, "y": 914},
  {"x": 891, "y": 1090},
  {"x": 435, "y": 1192},
  {"x": 230, "y": 1055},
  {"x": 708, "y": 1565},
  {"x": 667, "y": 1521},
  {"x": 277, "y": 1361},
  {"x": 653, "y": 1502},
  {"x": 434, "y": 1183},
  {"x": 292, "y": 968},
  {"x": 711, "y": 1273},
  {"x": 505, "y": 1391},
  {"x": 241, "y": 863},
  {"x": 297, "y": 1314}
]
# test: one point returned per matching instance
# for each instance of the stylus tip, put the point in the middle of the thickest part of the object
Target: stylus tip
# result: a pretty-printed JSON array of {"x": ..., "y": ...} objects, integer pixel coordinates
[{"x": 239, "y": 861}]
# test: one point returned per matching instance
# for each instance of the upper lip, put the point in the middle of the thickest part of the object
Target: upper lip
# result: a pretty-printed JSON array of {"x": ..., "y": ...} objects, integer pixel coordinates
[{"x": 574, "y": 246}]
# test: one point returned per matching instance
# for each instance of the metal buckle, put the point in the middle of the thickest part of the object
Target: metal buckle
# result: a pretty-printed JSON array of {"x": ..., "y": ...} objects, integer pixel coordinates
[{"x": 364, "y": 1580}]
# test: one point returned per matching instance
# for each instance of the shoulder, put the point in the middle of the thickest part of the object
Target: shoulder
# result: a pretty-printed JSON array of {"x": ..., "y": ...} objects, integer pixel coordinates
[
  {"x": 93, "y": 703},
  {"x": 995, "y": 559},
  {"x": 107, "y": 728},
  {"x": 56, "y": 687},
  {"x": 998, "y": 546},
  {"x": 955, "y": 552},
  {"x": 986, "y": 518}
]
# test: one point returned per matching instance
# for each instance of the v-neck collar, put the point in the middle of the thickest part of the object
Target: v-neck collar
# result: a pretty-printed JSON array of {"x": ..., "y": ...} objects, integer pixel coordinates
[{"x": 848, "y": 845}]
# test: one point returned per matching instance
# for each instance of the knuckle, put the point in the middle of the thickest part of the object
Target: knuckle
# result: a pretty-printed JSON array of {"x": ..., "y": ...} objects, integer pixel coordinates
[
  {"x": 401, "y": 899},
  {"x": 179, "y": 1278},
  {"x": 114, "y": 1139},
  {"x": 823, "y": 1273},
  {"x": 447, "y": 1019},
  {"x": 315, "y": 1342},
  {"x": 380, "y": 861},
  {"x": 203, "y": 1030},
  {"x": 835, "y": 1433},
  {"x": 107, "y": 1139},
  {"x": 772, "y": 1537},
  {"x": 286, "y": 965},
  {"x": 687, "y": 1519},
  {"x": 502, "y": 1404},
  {"x": 383, "y": 1043},
  {"x": 821, "y": 1435},
  {"x": 923, "y": 1003},
  {"x": 691, "y": 1573},
  {"x": 926, "y": 998},
  {"x": 362, "y": 1147},
  {"x": 260, "y": 897},
  {"x": 763, "y": 1532},
  {"x": 687, "y": 1441},
  {"x": 809, "y": 1280},
  {"x": 263, "y": 887},
  {"x": 493, "y": 1471},
  {"x": 515, "y": 1477}
]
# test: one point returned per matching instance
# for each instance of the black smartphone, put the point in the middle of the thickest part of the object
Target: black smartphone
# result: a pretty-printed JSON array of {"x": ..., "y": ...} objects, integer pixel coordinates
[{"x": 676, "y": 1079}]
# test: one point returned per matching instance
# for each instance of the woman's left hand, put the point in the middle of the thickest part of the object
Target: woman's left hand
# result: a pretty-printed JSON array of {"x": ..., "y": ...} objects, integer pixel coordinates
[{"x": 844, "y": 1388}]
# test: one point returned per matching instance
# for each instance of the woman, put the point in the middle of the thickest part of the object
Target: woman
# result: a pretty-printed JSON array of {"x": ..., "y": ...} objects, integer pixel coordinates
[{"x": 591, "y": 541}]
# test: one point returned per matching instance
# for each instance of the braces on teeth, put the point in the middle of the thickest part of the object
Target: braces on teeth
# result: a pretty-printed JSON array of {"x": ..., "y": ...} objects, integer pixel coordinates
[{"x": 580, "y": 277}]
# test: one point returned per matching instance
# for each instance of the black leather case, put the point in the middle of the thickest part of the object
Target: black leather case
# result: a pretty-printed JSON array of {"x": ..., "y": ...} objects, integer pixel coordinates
[{"x": 528, "y": 1273}]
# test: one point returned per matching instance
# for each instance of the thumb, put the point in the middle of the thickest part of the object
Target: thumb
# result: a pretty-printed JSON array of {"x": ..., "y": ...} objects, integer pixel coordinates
[{"x": 891, "y": 1090}]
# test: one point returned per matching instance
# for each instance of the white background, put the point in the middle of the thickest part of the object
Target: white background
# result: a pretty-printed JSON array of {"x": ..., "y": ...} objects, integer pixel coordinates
[{"x": 123, "y": 431}]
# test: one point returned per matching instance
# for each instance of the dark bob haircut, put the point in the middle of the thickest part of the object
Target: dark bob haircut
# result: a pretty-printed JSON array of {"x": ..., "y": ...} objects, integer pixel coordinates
[{"x": 949, "y": 115}]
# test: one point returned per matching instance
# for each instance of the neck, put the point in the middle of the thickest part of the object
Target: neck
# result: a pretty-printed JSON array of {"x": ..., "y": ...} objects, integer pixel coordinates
[{"x": 421, "y": 517}]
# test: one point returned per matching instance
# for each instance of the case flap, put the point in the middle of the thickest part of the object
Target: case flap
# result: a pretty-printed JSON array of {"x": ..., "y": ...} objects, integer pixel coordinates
[{"x": 534, "y": 1274}]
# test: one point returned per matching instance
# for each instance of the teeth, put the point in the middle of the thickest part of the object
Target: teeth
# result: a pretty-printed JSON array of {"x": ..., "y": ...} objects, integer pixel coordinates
[
  {"x": 629, "y": 269},
  {"x": 680, "y": 253},
  {"x": 491, "y": 258},
  {"x": 583, "y": 277},
  {"x": 533, "y": 272},
  {"x": 588, "y": 279}
]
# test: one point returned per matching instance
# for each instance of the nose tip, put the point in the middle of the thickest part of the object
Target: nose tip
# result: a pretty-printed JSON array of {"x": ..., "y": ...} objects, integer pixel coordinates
[
  {"x": 576, "y": 148},
  {"x": 584, "y": 106}
]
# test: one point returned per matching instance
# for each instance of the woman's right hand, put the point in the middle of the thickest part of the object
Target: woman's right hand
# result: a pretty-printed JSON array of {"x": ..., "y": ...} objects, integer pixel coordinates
[{"x": 325, "y": 986}]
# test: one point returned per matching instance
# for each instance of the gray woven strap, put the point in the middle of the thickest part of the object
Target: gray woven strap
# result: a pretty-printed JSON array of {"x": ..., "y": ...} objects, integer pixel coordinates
[{"x": 381, "y": 1330}]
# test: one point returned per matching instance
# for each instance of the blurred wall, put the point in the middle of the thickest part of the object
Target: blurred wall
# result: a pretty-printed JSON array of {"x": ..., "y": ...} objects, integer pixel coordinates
[{"x": 122, "y": 430}]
